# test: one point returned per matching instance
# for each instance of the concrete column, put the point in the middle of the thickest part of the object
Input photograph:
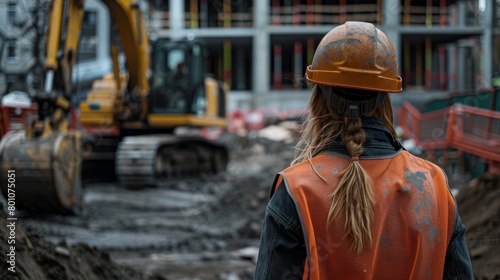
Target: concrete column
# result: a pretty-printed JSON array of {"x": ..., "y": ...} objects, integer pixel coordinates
[
  {"x": 461, "y": 64},
  {"x": 390, "y": 12},
  {"x": 390, "y": 26},
  {"x": 462, "y": 13},
  {"x": 487, "y": 44},
  {"x": 452, "y": 67},
  {"x": 435, "y": 68},
  {"x": 176, "y": 11},
  {"x": 241, "y": 73},
  {"x": 261, "y": 48}
]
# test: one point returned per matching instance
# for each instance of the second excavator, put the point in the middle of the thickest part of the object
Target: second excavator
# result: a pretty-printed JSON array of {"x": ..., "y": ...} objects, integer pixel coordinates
[{"x": 128, "y": 116}]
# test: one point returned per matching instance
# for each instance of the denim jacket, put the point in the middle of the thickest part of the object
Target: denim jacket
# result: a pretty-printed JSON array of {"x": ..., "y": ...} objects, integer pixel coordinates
[{"x": 282, "y": 250}]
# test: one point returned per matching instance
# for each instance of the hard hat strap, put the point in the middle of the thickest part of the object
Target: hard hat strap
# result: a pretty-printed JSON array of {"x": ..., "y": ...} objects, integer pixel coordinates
[{"x": 350, "y": 108}]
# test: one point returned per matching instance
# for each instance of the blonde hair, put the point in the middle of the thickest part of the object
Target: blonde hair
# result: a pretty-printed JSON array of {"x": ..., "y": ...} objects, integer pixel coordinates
[{"x": 354, "y": 194}]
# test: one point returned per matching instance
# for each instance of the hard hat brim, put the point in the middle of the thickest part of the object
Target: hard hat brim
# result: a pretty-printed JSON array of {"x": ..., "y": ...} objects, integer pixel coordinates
[{"x": 362, "y": 79}]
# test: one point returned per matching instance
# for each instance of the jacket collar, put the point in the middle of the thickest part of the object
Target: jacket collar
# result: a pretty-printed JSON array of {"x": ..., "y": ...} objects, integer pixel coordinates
[{"x": 379, "y": 140}]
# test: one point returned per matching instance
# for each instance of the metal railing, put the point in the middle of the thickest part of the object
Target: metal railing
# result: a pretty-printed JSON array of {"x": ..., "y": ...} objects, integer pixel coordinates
[
  {"x": 160, "y": 20},
  {"x": 325, "y": 14},
  {"x": 424, "y": 15}
]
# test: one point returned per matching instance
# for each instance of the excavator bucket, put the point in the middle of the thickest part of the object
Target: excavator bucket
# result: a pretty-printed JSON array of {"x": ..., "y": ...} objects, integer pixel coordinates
[{"x": 47, "y": 171}]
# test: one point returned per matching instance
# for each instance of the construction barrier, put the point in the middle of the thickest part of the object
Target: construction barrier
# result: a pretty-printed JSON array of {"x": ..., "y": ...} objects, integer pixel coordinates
[
  {"x": 454, "y": 132},
  {"x": 427, "y": 130},
  {"x": 475, "y": 131}
]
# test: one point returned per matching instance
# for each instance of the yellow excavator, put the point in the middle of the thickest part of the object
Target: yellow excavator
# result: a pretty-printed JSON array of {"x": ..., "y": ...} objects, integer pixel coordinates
[{"x": 128, "y": 117}]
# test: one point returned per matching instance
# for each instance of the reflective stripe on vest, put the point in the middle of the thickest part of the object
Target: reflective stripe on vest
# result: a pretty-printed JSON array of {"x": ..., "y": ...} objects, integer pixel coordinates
[{"x": 414, "y": 216}]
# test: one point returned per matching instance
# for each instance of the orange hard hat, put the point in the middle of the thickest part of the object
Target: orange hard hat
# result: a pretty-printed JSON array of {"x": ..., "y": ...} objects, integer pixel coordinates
[{"x": 356, "y": 55}]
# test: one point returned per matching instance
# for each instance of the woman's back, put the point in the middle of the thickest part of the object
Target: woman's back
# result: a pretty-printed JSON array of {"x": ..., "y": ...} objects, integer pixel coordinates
[{"x": 413, "y": 218}]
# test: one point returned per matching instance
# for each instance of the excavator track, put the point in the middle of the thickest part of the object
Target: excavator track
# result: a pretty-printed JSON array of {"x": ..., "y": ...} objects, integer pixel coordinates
[
  {"x": 47, "y": 169},
  {"x": 153, "y": 159}
]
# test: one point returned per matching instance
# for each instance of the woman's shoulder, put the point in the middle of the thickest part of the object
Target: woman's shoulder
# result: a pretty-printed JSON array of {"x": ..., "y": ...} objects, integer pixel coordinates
[{"x": 426, "y": 164}]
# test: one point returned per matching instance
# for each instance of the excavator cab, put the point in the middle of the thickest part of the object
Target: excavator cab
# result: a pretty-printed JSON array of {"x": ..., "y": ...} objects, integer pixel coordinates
[
  {"x": 181, "y": 91},
  {"x": 177, "y": 82}
]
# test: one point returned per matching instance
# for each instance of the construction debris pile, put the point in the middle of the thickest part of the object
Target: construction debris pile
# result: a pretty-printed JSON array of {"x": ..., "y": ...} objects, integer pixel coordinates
[
  {"x": 479, "y": 207},
  {"x": 201, "y": 228}
]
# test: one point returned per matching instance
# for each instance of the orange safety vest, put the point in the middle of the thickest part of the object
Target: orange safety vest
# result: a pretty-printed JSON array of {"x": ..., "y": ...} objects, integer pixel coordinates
[{"x": 413, "y": 220}]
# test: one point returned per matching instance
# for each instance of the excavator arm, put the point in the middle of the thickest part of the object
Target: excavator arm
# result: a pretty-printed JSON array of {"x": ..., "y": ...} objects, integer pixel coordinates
[
  {"x": 127, "y": 18},
  {"x": 62, "y": 44},
  {"x": 61, "y": 51},
  {"x": 108, "y": 103}
]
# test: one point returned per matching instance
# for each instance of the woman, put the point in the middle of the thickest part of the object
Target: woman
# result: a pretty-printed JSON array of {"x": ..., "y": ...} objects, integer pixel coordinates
[{"x": 355, "y": 204}]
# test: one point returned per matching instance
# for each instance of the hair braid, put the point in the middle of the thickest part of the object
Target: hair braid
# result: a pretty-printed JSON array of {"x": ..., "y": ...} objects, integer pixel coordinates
[{"x": 354, "y": 195}]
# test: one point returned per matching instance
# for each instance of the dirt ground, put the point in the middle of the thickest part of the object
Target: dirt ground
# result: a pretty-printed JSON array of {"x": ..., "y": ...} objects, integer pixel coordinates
[
  {"x": 200, "y": 228},
  {"x": 479, "y": 207}
]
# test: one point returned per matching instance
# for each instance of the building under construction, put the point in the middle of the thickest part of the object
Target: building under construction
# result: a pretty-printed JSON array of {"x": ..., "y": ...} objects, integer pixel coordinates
[{"x": 261, "y": 48}]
